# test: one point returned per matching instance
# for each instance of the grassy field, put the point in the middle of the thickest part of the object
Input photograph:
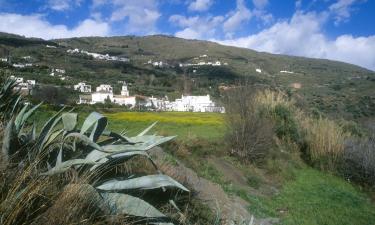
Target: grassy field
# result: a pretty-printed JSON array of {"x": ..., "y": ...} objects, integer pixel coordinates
[
  {"x": 317, "y": 198},
  {"x": 310, "y": 197},
  {"x": 208, "y": 126}
]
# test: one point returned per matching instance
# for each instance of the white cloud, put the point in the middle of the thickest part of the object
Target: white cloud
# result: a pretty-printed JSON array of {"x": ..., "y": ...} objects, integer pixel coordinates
[
  {"x": 37, "y": 26},
  {"x": 298, "y": 4},
  {"x": 237, "y": 17},
  {"x": 140, "y": 16},
  {"x": 342, "y": 10},
  {"x": 260, "y": 4},
  {"x": 302, "y": 36},
  {"x": 200, "y": 5},
  {"x": 196, "y": 27},
  {"x": 63, "y": 5}
]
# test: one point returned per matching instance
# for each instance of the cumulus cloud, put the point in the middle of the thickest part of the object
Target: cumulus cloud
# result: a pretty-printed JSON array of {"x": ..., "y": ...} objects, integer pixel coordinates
[
  {"x": 200, "y": 5},
  {"x": 237, "y": 17},
  {"x": 302, "y": 36},
  {"x": 140, "y": 16},
  {"x": 342, "y": 9},
  {"x": 63, "y": 5},
  {"x": 196, "y": 27},
  {"x": 37, "y": 26},
  {"x": 260, "y": 4}
]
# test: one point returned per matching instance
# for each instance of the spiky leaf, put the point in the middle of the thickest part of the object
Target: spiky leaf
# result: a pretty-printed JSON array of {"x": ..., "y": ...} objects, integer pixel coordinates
[
  {"x": 97, "y": 122},
  {"x": 141, "y": 183},
  {"x": 69, "y": 121},
  {"x": 64, "y": 166},
  {"x": 129, "y": 205}
]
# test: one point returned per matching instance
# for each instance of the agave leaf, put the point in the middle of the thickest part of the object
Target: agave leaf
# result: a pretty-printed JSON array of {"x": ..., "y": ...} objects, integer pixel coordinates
[
  {"x": 33, "y": 132},
  {"x": 69, "y": 121},
  {"x": 106, "y": 158},
  {"x": 85, "y": 140},
  {"x": 141, "y": 183},
  {"x": 53, "y": 137},
  {"x": 147, "y": 129},
  {"x": 62, "y": 167},
  {"x": 7, "y": 139},
  {"x": 116, "y": 136},
  {"x": 139, "y": 146},
  {"x": 47, "y": 128},
  {"x": 14, "y": 109},
  {"x": 96, "y": 155},
  {"x": 30, "y": 113},
  {"x": 98, "y": 122},
  {"x": 129, "y": 205},
  {"x": 19, "y": 117}
]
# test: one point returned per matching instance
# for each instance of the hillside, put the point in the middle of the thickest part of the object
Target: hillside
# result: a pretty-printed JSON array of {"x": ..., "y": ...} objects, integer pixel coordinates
[{"x": 329, "y": 86}]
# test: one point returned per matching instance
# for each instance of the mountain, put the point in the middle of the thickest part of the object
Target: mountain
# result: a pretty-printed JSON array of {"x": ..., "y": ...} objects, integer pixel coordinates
[{"x": 327, "y": 85}]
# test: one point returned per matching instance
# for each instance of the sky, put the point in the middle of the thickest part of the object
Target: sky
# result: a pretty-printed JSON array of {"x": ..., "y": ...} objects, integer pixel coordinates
[{"x": 341, "y": 30}]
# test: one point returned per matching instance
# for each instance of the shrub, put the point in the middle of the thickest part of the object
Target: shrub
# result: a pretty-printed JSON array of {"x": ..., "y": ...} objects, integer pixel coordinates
[
  {"x": 359, "y": 161},
  {"x": 325, "y": 142},
  {"x": 249, "y": 135}
]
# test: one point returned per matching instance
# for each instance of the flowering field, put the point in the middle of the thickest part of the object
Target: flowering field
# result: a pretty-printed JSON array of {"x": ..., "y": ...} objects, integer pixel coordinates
[{"x": 183, "y": 124}]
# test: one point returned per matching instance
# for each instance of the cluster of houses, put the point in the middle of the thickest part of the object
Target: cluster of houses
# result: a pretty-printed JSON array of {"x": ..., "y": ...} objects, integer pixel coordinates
[
  {"x": 22, "y": 65},
  {"x": 202, "y": 63},
  {"x": 98, "y": 56},
  {"x": 104, "y": 92},
  {"x": 286, "y": 71},
  {"x": 60, "y": 73},
  {"x": 25, "y": 86}
]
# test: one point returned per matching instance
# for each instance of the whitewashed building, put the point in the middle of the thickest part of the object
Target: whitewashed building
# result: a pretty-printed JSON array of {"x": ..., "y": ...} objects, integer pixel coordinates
[
  {"x": 82, "y": 87},
  {"x": 124, "y": 90},
  {"x": 104, "y": 88},
  {"x": 24, "y": 85},
  {"x": 105, "y": 92},
  {"x": 194, "y": 104}
]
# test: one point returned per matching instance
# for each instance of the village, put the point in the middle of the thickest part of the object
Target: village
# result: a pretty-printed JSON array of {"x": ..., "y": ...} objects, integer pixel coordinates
[{"x": 104, "y": 93}]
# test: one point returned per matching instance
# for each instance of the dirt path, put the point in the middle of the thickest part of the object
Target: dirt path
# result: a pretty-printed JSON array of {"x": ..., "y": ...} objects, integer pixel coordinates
[{"x": 233, "y": 209}]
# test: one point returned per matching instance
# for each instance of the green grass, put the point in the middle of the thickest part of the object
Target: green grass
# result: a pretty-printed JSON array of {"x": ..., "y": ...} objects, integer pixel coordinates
[
  {"x": 317, "y": 198},
  {"x": 185, "y": 125},
  {"x": 207, "y": 126}
]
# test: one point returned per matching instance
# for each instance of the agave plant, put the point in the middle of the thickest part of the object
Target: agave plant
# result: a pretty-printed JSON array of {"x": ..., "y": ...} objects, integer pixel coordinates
[
  {"x": 10, "y": 99},
  {"x": 91, "y": 149}
]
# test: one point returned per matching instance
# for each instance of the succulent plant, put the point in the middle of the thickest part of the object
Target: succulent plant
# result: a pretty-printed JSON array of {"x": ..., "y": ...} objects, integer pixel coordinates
[{"x": 91, "y": 150}]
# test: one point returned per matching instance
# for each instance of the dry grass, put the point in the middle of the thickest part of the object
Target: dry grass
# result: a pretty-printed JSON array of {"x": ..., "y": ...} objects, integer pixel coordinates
[
  {"x": 325, "y": 141},
  {"x": 268, "y": 100}
]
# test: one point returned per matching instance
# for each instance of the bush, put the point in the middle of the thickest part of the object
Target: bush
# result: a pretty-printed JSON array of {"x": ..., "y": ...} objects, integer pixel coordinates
[
  {"x": 249, "y": 135},
  {"x": 359, "y": 161},
  {"x": 325, "y": 142}
]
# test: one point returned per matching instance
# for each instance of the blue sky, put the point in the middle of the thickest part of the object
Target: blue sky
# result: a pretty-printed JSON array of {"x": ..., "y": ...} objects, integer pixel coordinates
[{"x": 334, "y": 29}]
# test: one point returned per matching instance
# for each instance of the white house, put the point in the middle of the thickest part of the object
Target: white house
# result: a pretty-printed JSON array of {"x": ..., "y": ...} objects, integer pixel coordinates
[
  {"x": 3, "y": 59},
  {"x": 124, "y": 90},
  {"x": 194, "y": 104},
  {"x": 16, "y": 65},
  {"x": 101, "y": 97},
  {"x": 286, "y": 71},
  {"x": 258, "y": 70},
  {"x": 104, "y": 88},
  {"x": 60, "y": 71},
  {"x": 124, "y": 100},
  {"x": 217, "y": 63},
  {"x": 83, "y": 87}
]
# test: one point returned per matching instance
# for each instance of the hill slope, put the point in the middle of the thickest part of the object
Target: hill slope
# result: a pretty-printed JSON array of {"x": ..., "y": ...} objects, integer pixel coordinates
[{"x": 327, "y": 85}]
